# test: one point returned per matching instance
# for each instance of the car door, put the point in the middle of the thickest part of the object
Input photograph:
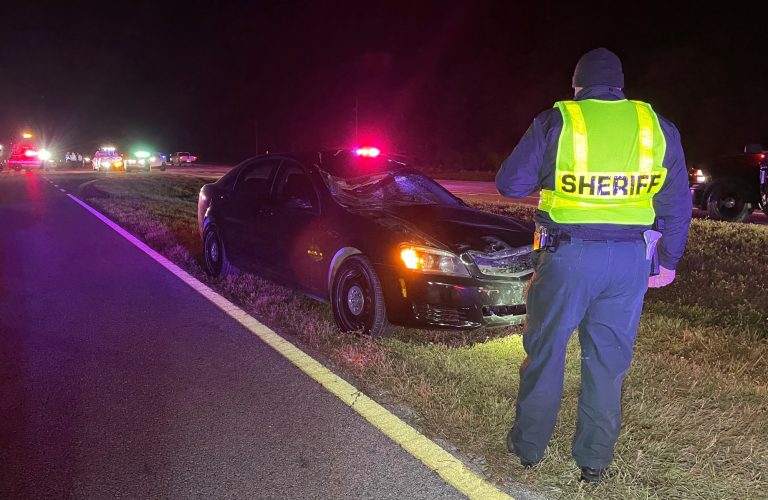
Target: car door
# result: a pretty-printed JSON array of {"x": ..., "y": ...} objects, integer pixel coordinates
[
  {"x": 295, "y": 226},
  {"x": 243, "y": 213}
]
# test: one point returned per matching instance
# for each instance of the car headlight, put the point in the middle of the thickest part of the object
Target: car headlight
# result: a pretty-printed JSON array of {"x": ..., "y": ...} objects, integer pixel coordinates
[
  {"x": 44, "y": 155},
  {"x": 700, "y": 176},
  {"x": 508, "y": 263},
  {"x": 432, "y": 261}
]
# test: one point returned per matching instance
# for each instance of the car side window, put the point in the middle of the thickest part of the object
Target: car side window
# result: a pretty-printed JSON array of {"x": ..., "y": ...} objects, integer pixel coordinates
[
  {"x": 255, "y": 180},
  {"x": 294, "y": 188}
]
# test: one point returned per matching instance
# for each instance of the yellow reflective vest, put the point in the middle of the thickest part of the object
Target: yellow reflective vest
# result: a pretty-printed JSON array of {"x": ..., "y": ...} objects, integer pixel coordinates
[{"x": 609, "y": 164}]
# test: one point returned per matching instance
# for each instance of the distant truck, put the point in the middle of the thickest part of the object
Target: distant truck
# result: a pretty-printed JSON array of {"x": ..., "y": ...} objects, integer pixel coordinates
[
  {"x": 181, "y": 157},
  {"x": 729, "y": 187}
]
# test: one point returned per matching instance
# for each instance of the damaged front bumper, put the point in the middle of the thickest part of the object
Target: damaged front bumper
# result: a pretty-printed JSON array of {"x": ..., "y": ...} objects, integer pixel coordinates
[
  {"x": 493, "y": 296},
  {"x": 453, "y": 302}
]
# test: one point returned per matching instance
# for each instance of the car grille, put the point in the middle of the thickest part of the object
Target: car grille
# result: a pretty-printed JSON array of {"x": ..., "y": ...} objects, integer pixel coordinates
[
  {"x": 448, "y": 316},
  {"x": 514, "y": 310}
]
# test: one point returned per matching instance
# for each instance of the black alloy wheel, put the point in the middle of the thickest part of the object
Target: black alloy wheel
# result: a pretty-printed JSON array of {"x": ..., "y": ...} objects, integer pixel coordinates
[
  {"x": 727, "y": 201},
  {"x": 357, "y": 298},
  {"x": 215, "y": 256}
]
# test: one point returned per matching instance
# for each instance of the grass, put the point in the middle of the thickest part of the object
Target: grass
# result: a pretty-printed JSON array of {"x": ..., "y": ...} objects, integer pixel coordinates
[{"x": 695, "y": 400}]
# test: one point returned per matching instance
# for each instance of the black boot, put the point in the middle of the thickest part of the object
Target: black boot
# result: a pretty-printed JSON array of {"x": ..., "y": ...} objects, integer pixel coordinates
[
  {"x": 590, "y": 475},
  {"x": 523, "y": 461}
]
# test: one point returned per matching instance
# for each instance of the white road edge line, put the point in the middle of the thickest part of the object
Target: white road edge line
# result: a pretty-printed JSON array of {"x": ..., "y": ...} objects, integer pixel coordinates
[{"x": 450, "y": 468}]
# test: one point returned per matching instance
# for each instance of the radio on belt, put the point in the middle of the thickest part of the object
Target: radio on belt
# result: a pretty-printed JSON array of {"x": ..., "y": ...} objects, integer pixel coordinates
[{"x": 543, "y": 239}]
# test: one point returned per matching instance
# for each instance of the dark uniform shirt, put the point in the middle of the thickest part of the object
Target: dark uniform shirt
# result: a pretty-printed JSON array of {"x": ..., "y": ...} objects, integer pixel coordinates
[{"x": 531, "y": 167}]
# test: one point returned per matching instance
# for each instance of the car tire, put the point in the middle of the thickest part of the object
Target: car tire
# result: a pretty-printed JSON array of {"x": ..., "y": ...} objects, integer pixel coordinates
[
  {"x": 357, "y": 299},
  {"x": 728, "y": 201},
  {"x": 215, "y": 258}
]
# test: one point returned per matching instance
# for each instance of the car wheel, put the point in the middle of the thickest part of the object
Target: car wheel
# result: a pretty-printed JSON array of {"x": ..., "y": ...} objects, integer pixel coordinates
[
  {"x": 215, "y": 255},
  {"x": 358, "y": 300},
  {"x": 727, "y": 201}
]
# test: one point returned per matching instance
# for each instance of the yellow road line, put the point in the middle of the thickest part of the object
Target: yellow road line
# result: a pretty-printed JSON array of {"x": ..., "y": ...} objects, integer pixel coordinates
[{"x": 451, "y": 469}]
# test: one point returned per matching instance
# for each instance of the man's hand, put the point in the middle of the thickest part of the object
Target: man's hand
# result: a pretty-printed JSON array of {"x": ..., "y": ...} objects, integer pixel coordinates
[{"x": 664, "y": 278}]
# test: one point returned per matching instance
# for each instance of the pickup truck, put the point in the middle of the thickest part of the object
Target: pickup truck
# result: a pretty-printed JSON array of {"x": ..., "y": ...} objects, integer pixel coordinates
[
  {"x": 729, "y": 187},
  {"x": 181, "y": 157}
]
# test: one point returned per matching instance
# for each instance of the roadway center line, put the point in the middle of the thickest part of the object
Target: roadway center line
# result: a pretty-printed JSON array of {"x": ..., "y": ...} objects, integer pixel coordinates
[{"x": 450, "y": 468}]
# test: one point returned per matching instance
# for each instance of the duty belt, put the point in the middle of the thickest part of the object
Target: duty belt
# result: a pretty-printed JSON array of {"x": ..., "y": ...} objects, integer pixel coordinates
[{"x": 550, "y": 239}]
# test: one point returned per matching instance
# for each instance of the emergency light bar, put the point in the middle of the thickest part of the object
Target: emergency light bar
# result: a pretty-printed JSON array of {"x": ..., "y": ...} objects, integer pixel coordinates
[{"x": 368, "y": 152}]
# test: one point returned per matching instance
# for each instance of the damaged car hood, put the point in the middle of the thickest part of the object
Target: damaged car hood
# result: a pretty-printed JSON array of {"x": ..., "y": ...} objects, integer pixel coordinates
[{"x": 458, "y": 229}]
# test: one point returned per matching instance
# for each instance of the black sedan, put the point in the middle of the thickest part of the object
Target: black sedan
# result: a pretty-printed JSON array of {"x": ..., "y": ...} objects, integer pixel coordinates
[{"x": 382, "y": 242}]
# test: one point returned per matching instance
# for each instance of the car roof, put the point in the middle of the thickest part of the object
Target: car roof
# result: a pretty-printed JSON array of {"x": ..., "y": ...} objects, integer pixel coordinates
[{"x": 344, "y": 162}]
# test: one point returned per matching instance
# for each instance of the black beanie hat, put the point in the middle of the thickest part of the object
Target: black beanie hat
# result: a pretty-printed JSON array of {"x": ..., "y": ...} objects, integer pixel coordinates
[{"x": 598, "y": 67}]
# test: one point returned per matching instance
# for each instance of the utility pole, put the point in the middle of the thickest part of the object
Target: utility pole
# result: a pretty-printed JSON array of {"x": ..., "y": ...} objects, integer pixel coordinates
[{"x": 357, "y": 106}]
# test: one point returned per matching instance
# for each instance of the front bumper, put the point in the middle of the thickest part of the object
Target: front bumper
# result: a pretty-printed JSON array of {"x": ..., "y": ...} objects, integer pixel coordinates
[{"x": 437, "y": 301}]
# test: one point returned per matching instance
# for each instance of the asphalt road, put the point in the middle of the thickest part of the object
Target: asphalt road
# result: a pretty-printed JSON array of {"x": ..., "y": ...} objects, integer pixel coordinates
[{"x": 118, "y": 380}]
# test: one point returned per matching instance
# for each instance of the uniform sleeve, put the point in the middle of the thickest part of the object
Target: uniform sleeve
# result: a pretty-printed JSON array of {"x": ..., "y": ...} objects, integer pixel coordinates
[
  {"x": 673, "y": 202},
  {"x": 518, "y": 176}
]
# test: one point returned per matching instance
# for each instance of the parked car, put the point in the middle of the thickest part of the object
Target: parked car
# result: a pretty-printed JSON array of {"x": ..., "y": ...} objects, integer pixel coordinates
[
  {"x": 384, "y": 243},
  {"x": 107, "y": 159},
  {"x": 728, "y": 188},
  {"x": 181, "y": 157},
  {"x": 158, "y": 160},
  {"x": 146, "y": 161}
]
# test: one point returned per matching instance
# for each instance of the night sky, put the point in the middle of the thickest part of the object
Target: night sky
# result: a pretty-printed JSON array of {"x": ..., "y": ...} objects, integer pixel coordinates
[{"x": 452, "y": 83}]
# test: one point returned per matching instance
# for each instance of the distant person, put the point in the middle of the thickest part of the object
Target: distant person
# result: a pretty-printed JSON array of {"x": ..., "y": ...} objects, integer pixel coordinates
[{"x": 607, "y": 168}]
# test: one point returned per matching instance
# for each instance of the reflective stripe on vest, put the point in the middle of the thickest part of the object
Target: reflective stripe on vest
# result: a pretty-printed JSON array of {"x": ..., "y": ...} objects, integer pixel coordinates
[{"x": 609, "y": 164}]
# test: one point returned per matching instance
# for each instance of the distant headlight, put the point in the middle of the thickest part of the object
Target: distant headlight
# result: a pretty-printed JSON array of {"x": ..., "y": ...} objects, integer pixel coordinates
[
  {"x": 432, "y": 261},
  {"x": 510, "y": 263},
  {"x": 700, "y": 176}
]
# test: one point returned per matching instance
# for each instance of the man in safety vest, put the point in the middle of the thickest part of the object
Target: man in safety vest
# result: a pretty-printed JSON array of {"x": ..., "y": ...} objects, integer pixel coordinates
[{"x": 611, "y": 172}]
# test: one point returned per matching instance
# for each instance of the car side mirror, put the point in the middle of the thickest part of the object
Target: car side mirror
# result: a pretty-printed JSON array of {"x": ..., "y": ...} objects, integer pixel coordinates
[{"x": 753, "y": 149}]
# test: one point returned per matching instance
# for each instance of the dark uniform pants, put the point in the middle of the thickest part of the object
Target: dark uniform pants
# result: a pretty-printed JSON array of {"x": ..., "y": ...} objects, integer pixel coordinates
[{"x": 597, "y": 287}]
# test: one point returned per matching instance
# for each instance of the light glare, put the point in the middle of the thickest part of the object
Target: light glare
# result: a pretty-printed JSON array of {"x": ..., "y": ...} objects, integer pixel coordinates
[
  {"x": 369, "y": 152},
  {"x": 410, "y": 258}
]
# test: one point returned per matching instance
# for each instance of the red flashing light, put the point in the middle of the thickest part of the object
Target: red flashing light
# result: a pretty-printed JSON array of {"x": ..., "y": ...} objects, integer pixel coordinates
[
  {"x": 761, "y": 156},
  {"x": 368, "y": 152}
]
